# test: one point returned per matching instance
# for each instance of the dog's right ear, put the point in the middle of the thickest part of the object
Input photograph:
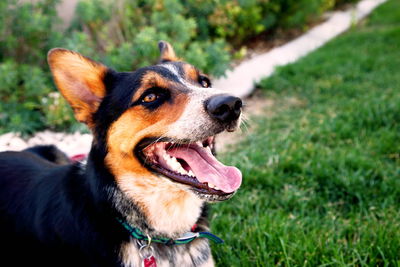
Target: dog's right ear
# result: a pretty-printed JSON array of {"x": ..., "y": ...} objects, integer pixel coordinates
[
  {"x": 80, "y": 81},
  {"x": 167, "y": 52}
]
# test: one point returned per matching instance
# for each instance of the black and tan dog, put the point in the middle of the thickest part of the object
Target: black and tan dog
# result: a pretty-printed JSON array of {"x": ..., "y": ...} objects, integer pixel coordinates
[{"x": 149, "y": 173}]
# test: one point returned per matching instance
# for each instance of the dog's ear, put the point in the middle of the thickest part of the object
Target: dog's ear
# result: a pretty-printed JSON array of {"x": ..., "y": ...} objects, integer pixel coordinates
[
  {"x": 80, "y": 81},
  {"x": 167, "y": 52}
]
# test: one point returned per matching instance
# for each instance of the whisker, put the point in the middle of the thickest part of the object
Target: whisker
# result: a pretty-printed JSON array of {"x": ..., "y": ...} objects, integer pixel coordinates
[
  {"x": 155, "y": 141},
  {"x": 244, "y": 124}
]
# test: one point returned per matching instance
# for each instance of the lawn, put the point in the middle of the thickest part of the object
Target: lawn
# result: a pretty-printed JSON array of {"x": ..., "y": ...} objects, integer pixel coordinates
[{"x": 322, "y": 174}]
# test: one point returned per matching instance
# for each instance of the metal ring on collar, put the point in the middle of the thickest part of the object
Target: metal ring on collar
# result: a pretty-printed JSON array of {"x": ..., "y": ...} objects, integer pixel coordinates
[
  {"x": 146, "y": 247},
  {"x": 146, "y": 251}
]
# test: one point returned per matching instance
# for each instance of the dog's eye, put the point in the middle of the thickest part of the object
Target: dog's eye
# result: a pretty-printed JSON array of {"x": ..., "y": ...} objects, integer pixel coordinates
[
  {"x": 150, "y": 98},
  {"x": 153, "y": 98},
  {"x": 204, "y": 81}
]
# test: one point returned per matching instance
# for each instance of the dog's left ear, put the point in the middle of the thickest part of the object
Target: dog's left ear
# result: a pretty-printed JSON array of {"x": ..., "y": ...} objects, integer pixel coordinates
[
  {"x": 80, "y": 80},
  {"x": 167, "y": 52}
]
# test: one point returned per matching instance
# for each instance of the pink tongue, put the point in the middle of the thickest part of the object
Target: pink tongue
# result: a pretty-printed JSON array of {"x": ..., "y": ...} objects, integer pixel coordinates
[{"x": 208, "y": 169}]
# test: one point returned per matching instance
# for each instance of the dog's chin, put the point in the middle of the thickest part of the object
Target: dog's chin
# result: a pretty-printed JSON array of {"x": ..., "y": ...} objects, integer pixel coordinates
[
  {"x": 211, "y": 197},
  {"x": 203, "y": 194},
  {"x": 191, "y": 165}
]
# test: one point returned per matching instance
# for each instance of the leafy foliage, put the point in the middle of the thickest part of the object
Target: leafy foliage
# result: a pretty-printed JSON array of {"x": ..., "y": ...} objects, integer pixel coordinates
[
  {"x": 239, "y": 20},
  {"x": 123, "y": 34},
  {"x": 26, "y": 34}
]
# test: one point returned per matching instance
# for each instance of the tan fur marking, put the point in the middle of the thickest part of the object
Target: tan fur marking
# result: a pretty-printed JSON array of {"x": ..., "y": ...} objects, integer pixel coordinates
[
  {"x": 156, "y": 196},
  {"x": 80, "y": 81},
  {"x": 191, "y": 73},
  {"x": 153, "y": 79}
]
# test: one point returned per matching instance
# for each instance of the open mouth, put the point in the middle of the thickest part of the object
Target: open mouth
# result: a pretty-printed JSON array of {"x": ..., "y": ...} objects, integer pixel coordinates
[{"x": 192, "y": 164}]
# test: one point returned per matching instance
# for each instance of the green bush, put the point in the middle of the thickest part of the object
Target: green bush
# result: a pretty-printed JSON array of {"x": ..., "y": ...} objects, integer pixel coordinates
[
  {"x": 27, "y": 33},
  {"x": 123, "y": 34},
  {"x": 239, "y": 20}
]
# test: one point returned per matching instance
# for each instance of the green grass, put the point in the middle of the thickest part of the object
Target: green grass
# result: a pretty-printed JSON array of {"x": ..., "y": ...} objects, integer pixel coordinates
[{"x": 322, "y": 175}]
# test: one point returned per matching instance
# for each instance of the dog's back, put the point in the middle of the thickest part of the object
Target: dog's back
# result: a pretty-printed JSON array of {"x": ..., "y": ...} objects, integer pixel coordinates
[
  {"x": 21, "y": 174},
  {"x": 44, "y": 207},
  {"x": 50, "y": 153}
]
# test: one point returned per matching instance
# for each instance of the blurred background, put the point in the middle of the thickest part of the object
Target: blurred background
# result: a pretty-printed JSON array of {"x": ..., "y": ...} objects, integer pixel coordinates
[{"x": 211, "y": 34}]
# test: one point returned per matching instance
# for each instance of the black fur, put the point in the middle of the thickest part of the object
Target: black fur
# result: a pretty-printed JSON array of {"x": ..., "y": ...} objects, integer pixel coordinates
[
  {"x": 53, "y": 215},
  {"x": 51, "y": 153}
]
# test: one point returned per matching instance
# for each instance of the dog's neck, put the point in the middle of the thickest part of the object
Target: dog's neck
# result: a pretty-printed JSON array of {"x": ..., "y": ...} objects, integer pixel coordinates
[
  {"x": 168, "y": 214},
  {"x": 155, "y": 219},
  {"x": 161, "y": 212}
]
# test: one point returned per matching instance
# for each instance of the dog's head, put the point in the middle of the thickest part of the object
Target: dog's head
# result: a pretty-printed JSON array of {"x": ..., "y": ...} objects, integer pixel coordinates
[{"x": 156, "y": 125}]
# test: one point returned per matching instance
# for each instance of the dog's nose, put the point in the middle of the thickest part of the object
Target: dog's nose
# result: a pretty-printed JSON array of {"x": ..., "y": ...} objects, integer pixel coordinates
[{"x": 225, "y": 108}]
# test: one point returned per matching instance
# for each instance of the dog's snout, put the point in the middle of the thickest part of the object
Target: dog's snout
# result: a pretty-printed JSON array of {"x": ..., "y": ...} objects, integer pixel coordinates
[{"x": 225, "y": 108}]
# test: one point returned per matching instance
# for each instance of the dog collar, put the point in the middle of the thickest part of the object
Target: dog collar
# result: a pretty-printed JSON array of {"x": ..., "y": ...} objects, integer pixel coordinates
[{"x": 184, "y": 239}]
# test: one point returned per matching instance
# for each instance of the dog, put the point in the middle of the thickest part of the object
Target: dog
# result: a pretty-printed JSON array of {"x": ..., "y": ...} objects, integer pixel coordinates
[{"x": 140, "y": 198}]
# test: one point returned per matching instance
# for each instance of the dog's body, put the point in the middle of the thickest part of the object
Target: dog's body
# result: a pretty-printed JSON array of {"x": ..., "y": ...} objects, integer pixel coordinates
[{"x": 150, "y": 165}]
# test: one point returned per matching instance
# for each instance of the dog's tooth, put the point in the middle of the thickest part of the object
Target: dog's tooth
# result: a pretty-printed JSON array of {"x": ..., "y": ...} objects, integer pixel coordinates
[
  {"x": 211, "y": 185},
  {"x": 173, "y": 163},
  {"x": 190, "y": 173},
  {"x": 166, "y": 156},
  {"x": 217, "y": 188},
  {"x": 179, "y": 168},
  {"x": 182, "y": 171}
]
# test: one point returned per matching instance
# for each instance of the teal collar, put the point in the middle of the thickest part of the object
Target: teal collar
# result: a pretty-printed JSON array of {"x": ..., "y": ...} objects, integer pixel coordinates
[{"x": 184, "y": 239}]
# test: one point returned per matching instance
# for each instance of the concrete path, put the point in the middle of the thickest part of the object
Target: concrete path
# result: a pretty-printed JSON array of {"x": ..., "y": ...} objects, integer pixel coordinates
[
  {"x": 71, "y": 144},
  {"x": 241, "y": 80}
]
